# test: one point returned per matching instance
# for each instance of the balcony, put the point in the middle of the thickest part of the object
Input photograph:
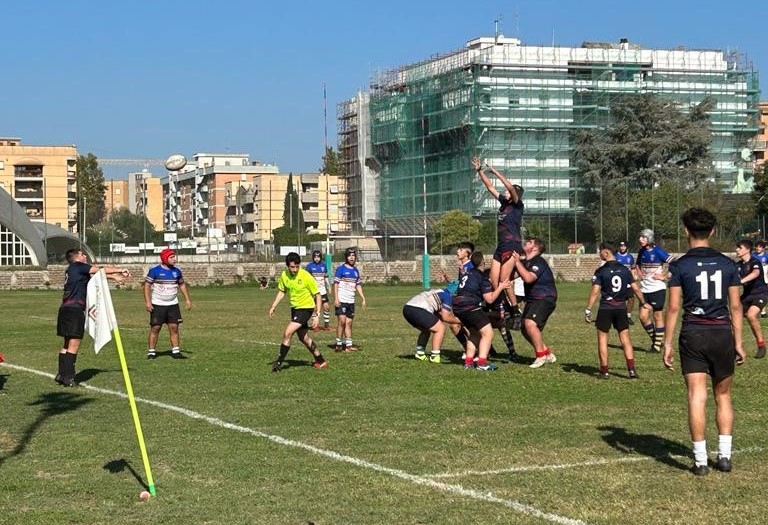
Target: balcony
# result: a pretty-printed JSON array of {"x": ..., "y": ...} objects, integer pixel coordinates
[
  {"x": 310, "y": 198},
  {"x": 230, "y": 219},
  {"x": 310, "y": 178},
  {"x": 311, "y": 216},
  {"x": 249, "y": 217},
  {"x": 758, "y": 145}
]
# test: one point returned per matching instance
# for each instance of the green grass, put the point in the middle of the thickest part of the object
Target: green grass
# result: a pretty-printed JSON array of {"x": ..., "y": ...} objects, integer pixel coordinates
[{"x": 70, "y": 456}]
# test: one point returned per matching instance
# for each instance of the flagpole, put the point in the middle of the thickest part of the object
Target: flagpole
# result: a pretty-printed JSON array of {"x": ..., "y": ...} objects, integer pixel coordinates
[
  {"x": 134, "y": 411},
  {"x": 101, "y": 314}
]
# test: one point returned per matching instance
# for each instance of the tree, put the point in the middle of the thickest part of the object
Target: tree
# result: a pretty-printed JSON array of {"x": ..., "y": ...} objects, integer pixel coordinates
[
  {"x": 90, "y": 189},
  {"x": 293, "y": 219},
  {"x": 126, "y": 227},
  {"x": 760, "y": 190},
  {"x": 452, "y": 228},
  {"x": 652, "y": 146},
  {"x": 332, "y": 163}
]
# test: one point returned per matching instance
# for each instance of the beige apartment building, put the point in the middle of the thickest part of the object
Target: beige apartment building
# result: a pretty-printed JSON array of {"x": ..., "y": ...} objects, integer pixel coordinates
[
  {"x": 761, "y": 140},
  {"x": 255, "y": 207},
  {"x": 41, "y": 179},
  {"x": 140, "y": 193}
]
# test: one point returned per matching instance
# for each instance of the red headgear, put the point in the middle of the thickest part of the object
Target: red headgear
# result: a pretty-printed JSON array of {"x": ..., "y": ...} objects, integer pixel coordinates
[{"x": 165, "y": 255}]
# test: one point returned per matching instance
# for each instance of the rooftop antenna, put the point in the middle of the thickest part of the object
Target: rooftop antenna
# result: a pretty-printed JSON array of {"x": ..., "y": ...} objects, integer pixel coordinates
[
  {"x": 516, "y": 16},
  {"x": 496, "y": 25}
]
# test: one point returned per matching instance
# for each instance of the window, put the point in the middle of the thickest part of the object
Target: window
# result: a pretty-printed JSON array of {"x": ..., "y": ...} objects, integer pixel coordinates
[{"x": 13, "y": 252}]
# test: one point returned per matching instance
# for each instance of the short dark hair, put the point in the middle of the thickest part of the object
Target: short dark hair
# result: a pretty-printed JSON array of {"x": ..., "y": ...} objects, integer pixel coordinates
[
  {"x": 699, "y": 222},
  {"x": 608, "y": 245},
  {"x": 477, "y": 259},
  {"x": 539, "y": 243},
  {"x": 466, "y": 245},
  {"x": 745, "y": 243},
  {"x": 761, "y": 244},
  {"x": 71, "y": 254},
  {"x": 292, "y": 257}
]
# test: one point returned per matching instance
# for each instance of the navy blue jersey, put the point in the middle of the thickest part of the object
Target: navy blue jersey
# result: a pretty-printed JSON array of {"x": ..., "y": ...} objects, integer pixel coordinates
[
  {"x": 755, "y": 286},
  {"x": 544, "y": 285},
  {"x": 762, "y": 257},
  {"x": 625, "y": 258},
  {"x": 615, "y": 281},
  {"x": 704, "y": 276},
  {"x": 472, "y": 286},
  {"x": 510, "y": 220},
  {"x": 76, "y": 278}
]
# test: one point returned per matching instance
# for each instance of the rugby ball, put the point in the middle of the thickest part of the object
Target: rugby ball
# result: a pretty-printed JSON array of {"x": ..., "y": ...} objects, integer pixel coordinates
[{"x": 175, "y": 162}]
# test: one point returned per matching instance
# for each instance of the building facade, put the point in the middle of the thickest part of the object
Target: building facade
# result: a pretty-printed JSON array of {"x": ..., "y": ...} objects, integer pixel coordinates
[
  {"x": 519, "y": 108},
  {"x": 255, "y": 207},
  {"x": 41, "y": 179},
  {"x": 761, "y": 140}
]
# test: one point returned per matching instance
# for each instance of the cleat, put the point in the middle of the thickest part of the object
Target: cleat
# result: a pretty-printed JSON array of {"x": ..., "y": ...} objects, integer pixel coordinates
[
  {"x": 543, "y": 360},
  {"x": 763, "y": 314},
  {"x": 469, "y": 367},
  {"x": 151, "y": 356},
  {"x": 339, "y": 347},
  {"x": 633, "y": 374},
  {"x": 654, "y": 349},
  {"x": 421, "y": 356},
  {"x": 760, "y": 352},
  {"x": 277, "y": 366},
  {"x": 434, "y": 358},
  {"x": 630, "y": 320},
  {"x": 320, "y": 364},
  {"x": 178, "y": 355},
  {"x": 723, "y": 464},
  {"x": 700, "y": 470},
  {"x": 603, "y": 375},
  {"x": 487, "y": 367},
  {"x": 65, "y": 381}
]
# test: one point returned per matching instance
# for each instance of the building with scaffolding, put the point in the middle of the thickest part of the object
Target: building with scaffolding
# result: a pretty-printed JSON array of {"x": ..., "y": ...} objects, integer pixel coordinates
[{"x": 408, "y": 143}]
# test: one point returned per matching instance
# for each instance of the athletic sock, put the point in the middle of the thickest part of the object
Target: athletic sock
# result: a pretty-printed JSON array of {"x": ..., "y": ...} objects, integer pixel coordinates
[
  {"x": 283, "y": 352},
  {"x": 650, "y": 331},
  {"x": 724, "y": 443},
  {"x": 507, "y": 337},
  {"x": 461, "y": 337},
  {"x": 151, "y": 352},
  {"x": 658, "y": 338},
  {"x": 700, "y": 452},
  {"x": 482, "y": 361},
  {"x": 175, "y": 350},
  {"x": 603, "y": 369},
  {"x": 761, "y": 343},
  {"x": 630, "y": 364},
  {"x": 326, "y": 319},
  {"x": 62, "y": 363},
  {"x": 348, "y": 342},
  {"x": 468, "y": 361},
  {"x": 435, "y": 352}
]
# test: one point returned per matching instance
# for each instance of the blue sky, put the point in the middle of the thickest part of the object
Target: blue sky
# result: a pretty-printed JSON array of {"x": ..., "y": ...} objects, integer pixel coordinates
[{"x": 145, "y": 79}]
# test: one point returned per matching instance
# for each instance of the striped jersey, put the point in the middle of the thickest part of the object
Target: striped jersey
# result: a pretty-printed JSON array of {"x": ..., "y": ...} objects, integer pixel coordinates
[
  {"x": 347, "y": 278},
  {"x": 318, "y": 271},
  {"x": 165, "y": 284},
  {"x": 650, "y": 260}
]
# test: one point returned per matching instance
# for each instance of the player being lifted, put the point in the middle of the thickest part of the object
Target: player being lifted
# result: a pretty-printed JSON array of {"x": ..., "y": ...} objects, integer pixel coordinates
[
  {"x": 650, "y": 272},
  {"x": 510, "y": 221}
]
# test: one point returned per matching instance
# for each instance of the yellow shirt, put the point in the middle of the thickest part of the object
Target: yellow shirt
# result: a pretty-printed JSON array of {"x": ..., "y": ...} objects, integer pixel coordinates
[{"x": 301, "y": 288}]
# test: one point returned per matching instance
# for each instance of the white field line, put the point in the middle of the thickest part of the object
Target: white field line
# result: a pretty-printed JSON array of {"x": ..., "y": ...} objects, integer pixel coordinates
[
  {"x": 559, "y": 466},
  {"x": 485, "y": 496}
]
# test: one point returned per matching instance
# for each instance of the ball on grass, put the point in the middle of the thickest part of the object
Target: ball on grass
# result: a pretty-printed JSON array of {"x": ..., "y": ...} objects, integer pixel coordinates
[{"x": 144, "y": 496}]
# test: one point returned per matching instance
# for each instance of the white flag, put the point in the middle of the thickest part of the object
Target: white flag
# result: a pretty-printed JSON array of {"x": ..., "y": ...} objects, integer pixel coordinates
[{"x": 100, "y": 314}]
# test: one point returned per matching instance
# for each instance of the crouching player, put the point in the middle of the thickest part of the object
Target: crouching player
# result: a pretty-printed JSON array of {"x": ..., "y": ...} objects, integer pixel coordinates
[
  {"x": 614, "y": 283},
  {"x": 426, "y": 312},
  {"x": 305, "y": 309}
]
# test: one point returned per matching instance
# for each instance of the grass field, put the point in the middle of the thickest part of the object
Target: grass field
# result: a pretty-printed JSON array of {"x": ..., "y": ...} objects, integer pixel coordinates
[{"x": 378, "y": 438}]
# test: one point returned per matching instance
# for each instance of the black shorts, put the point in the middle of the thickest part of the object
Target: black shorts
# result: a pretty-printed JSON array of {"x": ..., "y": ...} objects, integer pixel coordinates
[
  {"x": 504, "y": 251},
  {"x": 656, "y": 299},
  {"x": 419, "y": 317},
  {"x": 302, "y": 316},
  {"x": 476, "y": 319},
  {"x": 165, "y": 314},
  {"x": 612, "y": 317},
  {"x": 324, "y": 298},
  {"x": 707, "y": 351},
  {"x": 346, "y": 309},
  {"x": 70, "y": 323},
  {"x": 754, "y": 300},
  {"x": 539, "y": 310}
]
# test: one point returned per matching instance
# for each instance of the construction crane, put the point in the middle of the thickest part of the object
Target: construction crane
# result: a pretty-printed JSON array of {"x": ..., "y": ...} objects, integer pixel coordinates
[{"x": 131, "y": 162}]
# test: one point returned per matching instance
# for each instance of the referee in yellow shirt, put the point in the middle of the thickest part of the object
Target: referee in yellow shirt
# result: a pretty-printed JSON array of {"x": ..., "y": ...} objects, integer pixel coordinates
[{"x": 306, "y": 305}]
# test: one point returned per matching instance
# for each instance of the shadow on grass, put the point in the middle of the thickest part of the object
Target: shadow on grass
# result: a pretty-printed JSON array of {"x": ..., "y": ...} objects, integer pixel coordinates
[
  {"x": 119, "y": 465},
  {"x": 51, "y": 404},
  {"x": 3, "y": 379},
  {"x": 634, "y": 348},
  {"x": 87, "y": 374},
  {"x": 661, "y": 449},
  {"x": 167, "y": 353},
  {"x": 589, "y": 370}
]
